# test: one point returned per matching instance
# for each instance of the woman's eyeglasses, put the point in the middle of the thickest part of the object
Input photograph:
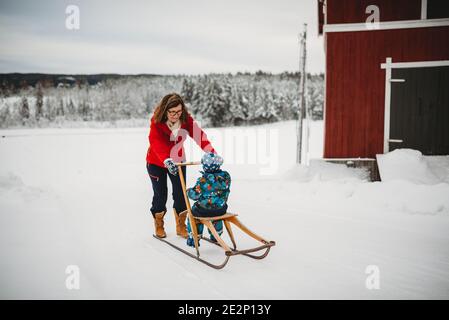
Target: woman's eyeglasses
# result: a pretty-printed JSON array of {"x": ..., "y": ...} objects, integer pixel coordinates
[{"x": 173, "y": 113}]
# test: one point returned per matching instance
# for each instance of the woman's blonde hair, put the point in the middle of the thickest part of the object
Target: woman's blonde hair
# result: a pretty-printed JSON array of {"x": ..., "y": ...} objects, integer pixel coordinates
[{"x": 169, "y": 101}]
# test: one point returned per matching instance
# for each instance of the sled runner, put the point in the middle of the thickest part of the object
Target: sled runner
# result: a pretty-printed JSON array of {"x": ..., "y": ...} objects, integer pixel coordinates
[{"x": 228, "y": 219}]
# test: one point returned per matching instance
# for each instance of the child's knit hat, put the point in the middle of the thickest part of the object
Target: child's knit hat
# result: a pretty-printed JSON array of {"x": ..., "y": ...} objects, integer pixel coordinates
[{"x": 211, "y": 162}]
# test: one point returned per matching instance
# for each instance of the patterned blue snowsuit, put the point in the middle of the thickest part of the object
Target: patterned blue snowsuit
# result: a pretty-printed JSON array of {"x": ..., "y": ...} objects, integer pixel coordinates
[{"x": 211, "y": 193}]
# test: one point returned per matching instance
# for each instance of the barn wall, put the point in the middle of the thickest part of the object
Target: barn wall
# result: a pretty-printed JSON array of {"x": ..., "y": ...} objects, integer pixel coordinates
[
  {"x": 353, "y": 11},
  {"x": 355, "y": 83}
]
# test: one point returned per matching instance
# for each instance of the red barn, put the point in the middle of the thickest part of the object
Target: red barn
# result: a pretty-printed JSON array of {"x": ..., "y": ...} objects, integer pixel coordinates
[{"x": 387, "y": 76}]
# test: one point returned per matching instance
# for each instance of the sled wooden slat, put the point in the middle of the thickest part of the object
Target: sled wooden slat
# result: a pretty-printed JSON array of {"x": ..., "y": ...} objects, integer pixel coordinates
[
  {"x": 211, "y": 227},
  {"x": 193, "y": 163},
  {"x": 225, "y": 216},
  {"x": 247, "y": 252},
  {"x": 212, "y": 265}
]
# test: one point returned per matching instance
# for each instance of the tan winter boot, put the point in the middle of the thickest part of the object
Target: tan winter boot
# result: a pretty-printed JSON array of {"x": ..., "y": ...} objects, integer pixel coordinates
[
  {"x": 181, "y": 229},
  {"x": 159, "y": 224}
]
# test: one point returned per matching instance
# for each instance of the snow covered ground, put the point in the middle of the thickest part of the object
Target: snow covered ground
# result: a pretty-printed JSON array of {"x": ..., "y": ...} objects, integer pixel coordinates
[{"x": 81, "y": 197}]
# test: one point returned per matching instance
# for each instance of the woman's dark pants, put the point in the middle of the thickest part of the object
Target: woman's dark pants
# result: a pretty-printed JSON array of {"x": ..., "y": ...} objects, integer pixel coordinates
[{"x": 158, "y": 176}]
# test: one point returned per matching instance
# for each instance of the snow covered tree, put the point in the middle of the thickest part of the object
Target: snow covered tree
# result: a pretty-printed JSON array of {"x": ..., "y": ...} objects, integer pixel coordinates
[
  {"x": 5, "y": 117},
  {"x": 39, "y": 102},
  {"x": 60, "y": 108},
  {"x": 213, "y": 107},
  {"x": 24, "y": 111},
  {"x": 315, "y": 97}
]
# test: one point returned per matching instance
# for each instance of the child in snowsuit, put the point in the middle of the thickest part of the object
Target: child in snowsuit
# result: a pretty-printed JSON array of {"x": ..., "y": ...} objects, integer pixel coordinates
[{"x": 211, "y": 192}]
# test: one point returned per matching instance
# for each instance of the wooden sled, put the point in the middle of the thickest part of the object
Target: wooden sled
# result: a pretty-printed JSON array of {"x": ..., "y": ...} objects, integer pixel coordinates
[{"x": 228, "y": 219}]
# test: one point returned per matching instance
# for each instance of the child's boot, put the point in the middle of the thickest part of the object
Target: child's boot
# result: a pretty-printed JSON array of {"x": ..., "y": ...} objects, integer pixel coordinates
[{"x": 199, "y": 229}]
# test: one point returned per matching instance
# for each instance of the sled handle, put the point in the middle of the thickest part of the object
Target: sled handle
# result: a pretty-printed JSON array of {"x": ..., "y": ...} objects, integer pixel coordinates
[
  {"x": 189, "y": 209},
  {"x": 192, "y": 163}
]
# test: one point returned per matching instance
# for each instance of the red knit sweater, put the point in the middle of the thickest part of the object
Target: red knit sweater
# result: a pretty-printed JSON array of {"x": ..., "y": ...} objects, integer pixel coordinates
[{"x": 164, "y": 145}]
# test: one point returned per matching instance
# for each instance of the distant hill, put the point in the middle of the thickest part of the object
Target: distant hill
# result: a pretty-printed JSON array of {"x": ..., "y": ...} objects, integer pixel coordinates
[{"x": 15, "y": 81}]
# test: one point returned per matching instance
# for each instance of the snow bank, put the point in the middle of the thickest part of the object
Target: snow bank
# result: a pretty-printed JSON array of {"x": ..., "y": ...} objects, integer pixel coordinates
[
  {"x": 320, "y": 170},
  {"x": 414, "y": 189},
  {"x": 411, "y": 165},
  {"x": 439, "y": 165},
  {"x": 9, "y": 181}
]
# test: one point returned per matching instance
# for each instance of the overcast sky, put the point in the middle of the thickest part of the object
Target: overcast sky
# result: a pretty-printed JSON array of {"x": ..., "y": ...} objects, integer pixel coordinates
[{"x": 162, "y": 37}]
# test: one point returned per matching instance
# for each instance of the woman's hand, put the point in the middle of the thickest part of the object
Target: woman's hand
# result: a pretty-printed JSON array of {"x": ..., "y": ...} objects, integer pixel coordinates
[{"x": 170, "y": 165}]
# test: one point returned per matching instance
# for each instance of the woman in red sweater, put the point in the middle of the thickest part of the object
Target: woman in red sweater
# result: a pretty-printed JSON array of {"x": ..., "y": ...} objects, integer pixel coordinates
[{"x": 170, "y": 125}]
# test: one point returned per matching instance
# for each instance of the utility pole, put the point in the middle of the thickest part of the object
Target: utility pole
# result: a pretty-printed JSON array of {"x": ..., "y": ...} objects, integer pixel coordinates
[{"x": 302, "y": 94}]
